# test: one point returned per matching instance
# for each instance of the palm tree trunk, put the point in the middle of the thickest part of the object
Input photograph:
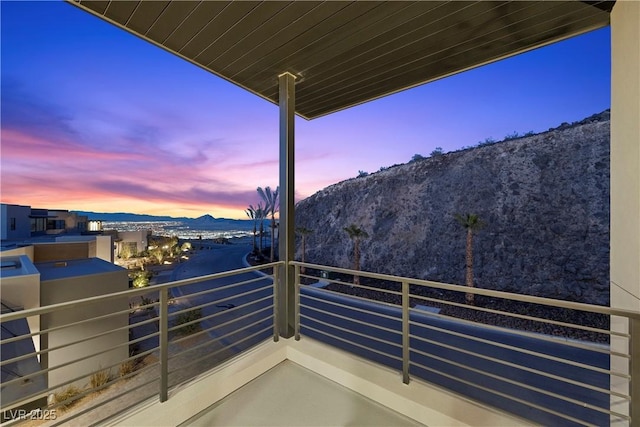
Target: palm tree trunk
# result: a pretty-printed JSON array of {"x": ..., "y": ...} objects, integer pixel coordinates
[
  {"x": 261, "y": 237},
  {"x": 469, "y": 258},
  {"x": 356, "y": 262},
  {"x": 254, "y": 239},
  {"x": 304, "y": 247},
  {"x": 273, "y": 228}
]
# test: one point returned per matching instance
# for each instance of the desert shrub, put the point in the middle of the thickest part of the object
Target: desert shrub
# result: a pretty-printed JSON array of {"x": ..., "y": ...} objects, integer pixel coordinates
[
  {"x": 144, "y": 301},
  {"x": 127, "y": 368},
  {"x": 510, "y": 136},
  {"x": 362, "y": 174},
  {"x": 417, "y": 157},
  {"x": 186, "y": 317},
  {"x": 66, "y": 397},
  {"x": 487, "y": 141},
  {"x": 100, "y": 378},
  {"x": 437, "y": 152},
  {"x": 141, "y": 279}
]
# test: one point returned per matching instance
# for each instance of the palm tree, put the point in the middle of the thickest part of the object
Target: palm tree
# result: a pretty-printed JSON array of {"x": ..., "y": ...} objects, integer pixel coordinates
[
  {"x": 251, "y": 213},
  {"x": 356, "y": 234},
  {"x": 304, "y": 232},
  {"x": 271, "y": 207},
  {"x": 260, "y": 215},
  {"x": 472, "y": 223}
]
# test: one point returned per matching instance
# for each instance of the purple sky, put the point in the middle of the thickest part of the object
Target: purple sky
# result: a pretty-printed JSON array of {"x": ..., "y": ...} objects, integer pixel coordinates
[{"x": 94, "y": 118}]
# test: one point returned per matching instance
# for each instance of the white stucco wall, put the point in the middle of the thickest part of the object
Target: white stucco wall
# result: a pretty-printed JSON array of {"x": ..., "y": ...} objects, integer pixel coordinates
[
  {"x": 625, "y": 179},
  {"x": 83, "y": 286}
]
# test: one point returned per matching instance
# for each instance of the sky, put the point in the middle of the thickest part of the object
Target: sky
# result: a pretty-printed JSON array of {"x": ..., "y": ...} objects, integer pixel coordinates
[{"x": 95, "y": 119}]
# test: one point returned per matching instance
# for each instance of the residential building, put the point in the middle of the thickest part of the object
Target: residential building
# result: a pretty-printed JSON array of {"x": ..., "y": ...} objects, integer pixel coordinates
[
  {"x": 25, "y": 285},
  {"x": 15, "y": 223},
  {"x": 22, "y": 222},
  {"x": 63, "y": 281}
]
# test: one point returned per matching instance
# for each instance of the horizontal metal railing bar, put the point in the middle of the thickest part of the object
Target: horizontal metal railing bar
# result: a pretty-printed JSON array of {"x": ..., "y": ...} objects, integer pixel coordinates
[
  {"x": 517, "y": 366},
  {"x": 351, "y": 331},
  {"x": 353, "y": 343},
  {"x": 479, "y": 291},
  {"x": 26, "y": 399},
  {"x": 525, "y": 351},
  {"x": 195, "y": 307},
  {"x": 53, "y": 368},
  {"x": 224, "y": 348},
  {"x": 176, "y": 327},
  {"x": 222, "y": 288},
  {"x": 361, "y": 310},
  {"x": 221, "y": 337},
  {"x": 517, "y": 383},
  {"x": 506, "y": 396},
  {"x": 356, "y": 286},
  {"x": 598, "y": 348},
  {"x": 57, "y": 328},
  {"x": 44, "y": 393},
  {"x": 236, "y": 308},
  {"x": 128, "y": 293},
  {"x": 231, "y": 310},
  {"x": 340, "y": 294},
  {"x": 77, "y": 413},
  {"x": 50, "y": 349},
  {"x": 86, "y": 392},
  {"x": 520, "y": 316},
  {"x": 382, "y": 328},
  {"x": 227, "y": 323}
]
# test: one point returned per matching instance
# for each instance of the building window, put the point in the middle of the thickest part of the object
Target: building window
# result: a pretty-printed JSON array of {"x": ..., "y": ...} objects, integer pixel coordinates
[{"x": 12, "y": 223}]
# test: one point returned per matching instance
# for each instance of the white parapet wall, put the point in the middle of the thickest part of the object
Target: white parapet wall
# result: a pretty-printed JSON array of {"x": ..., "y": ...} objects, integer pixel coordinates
[{"x": 77, "y": 279}]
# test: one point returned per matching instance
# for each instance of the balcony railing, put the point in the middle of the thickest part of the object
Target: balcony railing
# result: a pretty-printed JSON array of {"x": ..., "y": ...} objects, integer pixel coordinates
[
  {"x": 151, "y": 340},
  {"x": 552, "y": 362}
]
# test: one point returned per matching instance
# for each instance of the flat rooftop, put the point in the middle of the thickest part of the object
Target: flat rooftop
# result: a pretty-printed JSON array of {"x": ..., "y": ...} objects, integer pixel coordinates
[{"x": 55, "y": 270}]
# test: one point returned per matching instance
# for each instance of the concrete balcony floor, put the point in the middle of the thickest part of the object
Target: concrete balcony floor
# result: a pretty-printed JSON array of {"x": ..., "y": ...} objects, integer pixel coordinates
[
  {"x": 291, "y": 395},
  {"x": 307, "y": 383}
]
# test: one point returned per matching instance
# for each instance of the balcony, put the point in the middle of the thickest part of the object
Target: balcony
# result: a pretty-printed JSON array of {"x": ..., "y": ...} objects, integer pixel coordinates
[{"x": 208, "y": 351}]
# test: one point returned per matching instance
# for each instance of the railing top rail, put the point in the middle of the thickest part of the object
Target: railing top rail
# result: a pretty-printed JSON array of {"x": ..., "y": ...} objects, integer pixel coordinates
[
  {"x": 6, "y": 317},
  {"x": 478, "y": 291}
]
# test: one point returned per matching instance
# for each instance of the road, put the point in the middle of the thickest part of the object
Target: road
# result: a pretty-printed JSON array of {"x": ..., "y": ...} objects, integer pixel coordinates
[{"x": 243, "y": 306}]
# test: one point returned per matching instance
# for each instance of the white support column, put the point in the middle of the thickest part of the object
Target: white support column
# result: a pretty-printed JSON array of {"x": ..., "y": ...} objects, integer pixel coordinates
[
  {"x": 286, "y": 235},
  {"x": 625, "y": 183}
]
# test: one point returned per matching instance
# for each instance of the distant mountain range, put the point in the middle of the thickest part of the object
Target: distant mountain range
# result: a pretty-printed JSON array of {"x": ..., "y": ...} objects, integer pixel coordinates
[{"x": 204, "y": 220}]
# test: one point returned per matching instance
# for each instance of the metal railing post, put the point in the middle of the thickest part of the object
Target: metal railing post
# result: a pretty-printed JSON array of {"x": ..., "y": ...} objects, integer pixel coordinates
[
  {"x": 405, "y": 332},
  {"x": 296, "y": 287},
  {"x": 164, "y": 344},
  {"x": 634, "y": 371},
  {"x": 276, "y": 334}
]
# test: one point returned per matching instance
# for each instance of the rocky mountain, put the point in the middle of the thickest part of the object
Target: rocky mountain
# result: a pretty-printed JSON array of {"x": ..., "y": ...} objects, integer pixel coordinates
[{"x": 544, "y": 199}]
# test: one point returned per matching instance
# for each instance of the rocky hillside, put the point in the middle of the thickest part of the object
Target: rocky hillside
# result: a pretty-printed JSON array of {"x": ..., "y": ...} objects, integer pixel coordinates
[{"x": 544, "y": 199}]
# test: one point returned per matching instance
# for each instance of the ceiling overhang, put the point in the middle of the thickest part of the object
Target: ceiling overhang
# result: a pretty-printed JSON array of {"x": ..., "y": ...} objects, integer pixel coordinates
[{"x": 346, "y": 53}]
